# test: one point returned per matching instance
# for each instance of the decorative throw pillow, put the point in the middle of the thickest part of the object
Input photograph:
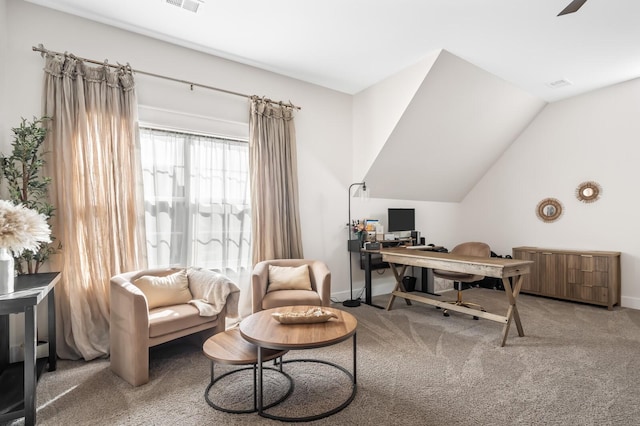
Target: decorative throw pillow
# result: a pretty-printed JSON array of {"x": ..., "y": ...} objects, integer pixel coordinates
[
  {"x": 289, "y": 278},
  {"x": 165, "y": 291}
]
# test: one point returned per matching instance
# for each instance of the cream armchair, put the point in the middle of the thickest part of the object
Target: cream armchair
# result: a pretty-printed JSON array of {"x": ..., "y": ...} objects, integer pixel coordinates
[
  {"x": 135, "y": 328},
  {"x": 263, "y": 297}
]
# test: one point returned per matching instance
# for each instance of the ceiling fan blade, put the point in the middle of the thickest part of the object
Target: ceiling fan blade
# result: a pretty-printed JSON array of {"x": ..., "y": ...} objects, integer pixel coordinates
[{"x": 573, "y": 7}]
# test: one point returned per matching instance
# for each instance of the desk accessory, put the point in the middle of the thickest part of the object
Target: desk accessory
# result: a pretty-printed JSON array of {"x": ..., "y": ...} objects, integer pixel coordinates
[
  {"x": 370, "y": 245},
  {"x": 311, "y": 316}
]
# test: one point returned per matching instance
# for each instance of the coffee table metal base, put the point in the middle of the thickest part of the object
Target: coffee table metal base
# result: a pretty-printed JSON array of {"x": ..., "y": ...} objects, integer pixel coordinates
[
  {"x": 354, "y": 387},
  {"x": 255, "y": 405},
  {"x": 351, "y": 376}
]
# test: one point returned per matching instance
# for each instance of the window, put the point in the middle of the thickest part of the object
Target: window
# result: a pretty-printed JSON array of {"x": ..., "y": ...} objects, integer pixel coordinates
[{"x": 196, "y": 198}]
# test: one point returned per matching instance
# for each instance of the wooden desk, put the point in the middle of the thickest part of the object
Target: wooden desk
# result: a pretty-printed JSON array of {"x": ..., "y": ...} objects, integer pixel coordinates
[
  {"x": 30, "y": 290},
  {"x": 487, "y": 266},
  {"x": 366, "y": 254}
]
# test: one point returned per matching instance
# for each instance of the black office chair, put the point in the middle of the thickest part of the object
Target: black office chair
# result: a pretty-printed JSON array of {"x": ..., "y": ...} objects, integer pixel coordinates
[{"x": 466, "y": 249}]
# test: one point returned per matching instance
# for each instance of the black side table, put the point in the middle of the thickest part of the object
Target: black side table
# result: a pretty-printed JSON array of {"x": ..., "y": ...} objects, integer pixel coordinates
[{"x": 19, "y": 400}]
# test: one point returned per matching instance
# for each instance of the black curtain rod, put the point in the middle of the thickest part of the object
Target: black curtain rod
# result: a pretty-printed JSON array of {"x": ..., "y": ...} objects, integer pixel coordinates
[{"x": 40, "y": 48}]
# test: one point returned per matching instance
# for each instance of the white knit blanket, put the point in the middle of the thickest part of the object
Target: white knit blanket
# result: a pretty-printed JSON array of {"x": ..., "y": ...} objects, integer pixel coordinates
[{"x": 211, "y": 291}]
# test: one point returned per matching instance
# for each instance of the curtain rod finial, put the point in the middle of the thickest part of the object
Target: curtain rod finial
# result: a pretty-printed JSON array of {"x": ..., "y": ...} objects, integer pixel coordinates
[{"x": 40, "y": 48}]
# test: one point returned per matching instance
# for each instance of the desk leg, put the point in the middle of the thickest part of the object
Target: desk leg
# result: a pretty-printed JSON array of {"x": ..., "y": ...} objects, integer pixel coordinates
[
  {"x": 399, "y": 286},
  {"x": 51, "y": 308},
  {"x": 368, "y": 282},
  {"x": 30, "y": 374},
  {"x": 367, "y": 278},
  {"x": 516, "y": 313},
  {"x": 512, "y": 312}
]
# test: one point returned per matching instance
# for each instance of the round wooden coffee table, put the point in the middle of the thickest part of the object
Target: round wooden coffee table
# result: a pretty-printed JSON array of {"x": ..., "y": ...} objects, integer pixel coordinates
[
  {"x": 266, "y": 333},
  {"x": 230, "y": 348}
]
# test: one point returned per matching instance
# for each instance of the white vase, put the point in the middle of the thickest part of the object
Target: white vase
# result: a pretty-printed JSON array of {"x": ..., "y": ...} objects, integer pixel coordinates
[{"x": 7, "y": 271}]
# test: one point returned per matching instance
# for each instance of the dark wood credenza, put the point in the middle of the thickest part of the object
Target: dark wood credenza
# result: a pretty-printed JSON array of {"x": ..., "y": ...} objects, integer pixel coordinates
[
  {"x": 577, "y": 275},
  {"x": 18, "y": 380}
]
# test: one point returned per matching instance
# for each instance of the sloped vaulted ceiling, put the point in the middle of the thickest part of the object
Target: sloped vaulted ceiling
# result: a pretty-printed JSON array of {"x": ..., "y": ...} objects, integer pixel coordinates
[{"x": 458, "y": 123}]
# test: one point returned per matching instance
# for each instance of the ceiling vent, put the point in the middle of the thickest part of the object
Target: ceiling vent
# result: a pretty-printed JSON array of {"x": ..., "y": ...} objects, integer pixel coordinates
[
  {"x": 559, "y": 83},
  {"x": 190, "y": 5}
]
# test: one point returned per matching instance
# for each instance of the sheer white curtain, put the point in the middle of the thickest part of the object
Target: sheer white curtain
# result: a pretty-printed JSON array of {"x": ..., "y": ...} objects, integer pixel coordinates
[{"x": 197, "y": 204}]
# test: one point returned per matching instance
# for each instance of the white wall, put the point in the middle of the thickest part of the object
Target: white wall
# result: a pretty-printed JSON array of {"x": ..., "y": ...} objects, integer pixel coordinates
[
  {"x": 590, "y": 137},
  {"x": 461, "y": 119},
  {"x": 3, "y": 66},
  {"x": 377, "y": 110}
]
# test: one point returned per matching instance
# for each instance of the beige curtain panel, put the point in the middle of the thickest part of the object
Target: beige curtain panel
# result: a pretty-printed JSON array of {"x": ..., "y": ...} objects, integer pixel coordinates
[
  {"x": 273, "y": 170},
  {"x": 96, "y": 189}
]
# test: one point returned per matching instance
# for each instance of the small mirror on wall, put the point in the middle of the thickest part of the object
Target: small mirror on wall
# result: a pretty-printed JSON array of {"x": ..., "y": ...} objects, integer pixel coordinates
[
  {"x": 549, "y": 210},
  {"x": 588, "y": 192}
]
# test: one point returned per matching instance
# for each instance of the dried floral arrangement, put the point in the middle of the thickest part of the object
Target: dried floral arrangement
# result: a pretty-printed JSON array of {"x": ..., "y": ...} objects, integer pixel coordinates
[{"x": 22, "y": 228}]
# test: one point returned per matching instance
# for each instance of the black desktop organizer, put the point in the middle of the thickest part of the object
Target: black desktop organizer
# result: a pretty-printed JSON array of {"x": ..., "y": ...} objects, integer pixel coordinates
[{"x": 376, "y": 258}]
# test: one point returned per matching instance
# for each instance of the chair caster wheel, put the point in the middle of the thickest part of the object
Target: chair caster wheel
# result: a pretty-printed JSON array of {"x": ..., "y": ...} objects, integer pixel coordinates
[
  {"x": 445, "y": 313},
  {"x": 475, "y": 318}
]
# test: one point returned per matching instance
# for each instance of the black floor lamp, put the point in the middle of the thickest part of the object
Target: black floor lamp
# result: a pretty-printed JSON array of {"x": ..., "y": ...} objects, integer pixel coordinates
[{"x": 352, "y": 303}]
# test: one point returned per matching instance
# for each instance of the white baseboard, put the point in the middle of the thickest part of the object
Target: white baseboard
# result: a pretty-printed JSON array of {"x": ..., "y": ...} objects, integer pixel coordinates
[
  {"x": 377, "y": 290},
  {"x": 631, "y": 302}
]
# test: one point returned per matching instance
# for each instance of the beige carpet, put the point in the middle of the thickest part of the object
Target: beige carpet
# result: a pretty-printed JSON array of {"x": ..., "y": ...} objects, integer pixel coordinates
[{"x": 576, "y": 365}]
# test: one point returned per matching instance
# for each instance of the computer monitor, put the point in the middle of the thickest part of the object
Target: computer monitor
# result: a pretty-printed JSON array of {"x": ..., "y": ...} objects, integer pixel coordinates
[{"x": 401, "y": 219}]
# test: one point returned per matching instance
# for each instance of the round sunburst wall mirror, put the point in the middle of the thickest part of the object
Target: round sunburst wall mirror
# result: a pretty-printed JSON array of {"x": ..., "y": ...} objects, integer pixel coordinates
[
  {"x": 549, "y": 210},
  {"x": 588, "y": 192}
]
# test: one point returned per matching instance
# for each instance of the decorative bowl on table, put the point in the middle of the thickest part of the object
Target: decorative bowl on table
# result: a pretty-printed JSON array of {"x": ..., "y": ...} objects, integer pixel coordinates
[{"x": 310, "y": 316}]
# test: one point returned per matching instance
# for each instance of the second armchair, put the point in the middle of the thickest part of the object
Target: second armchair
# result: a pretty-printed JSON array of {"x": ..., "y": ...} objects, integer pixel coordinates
[{"x": 282, "y": 282}]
